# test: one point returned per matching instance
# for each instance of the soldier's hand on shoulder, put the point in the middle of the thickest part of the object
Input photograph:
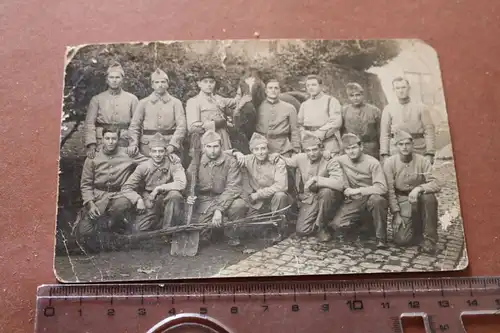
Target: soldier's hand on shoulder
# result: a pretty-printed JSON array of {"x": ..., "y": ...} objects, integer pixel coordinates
[
  {"x": 240, "y": 158},
  {"x": 253, "y": 197},
  {"x": 174, "y": 158},
  {"x": 327, "y": 155},
  {"x": 170, "y": 149},
  {"x": 91, "y": 150},
  {"x": 132, "y": 151}
]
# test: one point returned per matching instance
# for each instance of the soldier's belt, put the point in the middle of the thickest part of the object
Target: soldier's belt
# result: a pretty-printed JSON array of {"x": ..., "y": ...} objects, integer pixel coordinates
[
  {"x": 112, "y": 126},
  {"x": 274, "y": 136},
  {"x": 108, "y": 188},
  {"x": 162, "y": 132},
  {"x": 413, "y": 135},
  {"x": 312, "y": 128}
]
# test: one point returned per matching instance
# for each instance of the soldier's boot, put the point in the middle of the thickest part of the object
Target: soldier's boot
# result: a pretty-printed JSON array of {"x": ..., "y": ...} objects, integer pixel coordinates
[
  {"x": 428, "y": 247},
  {"x": 381, "y": 243},
  {"x": 323, "y": 235}
]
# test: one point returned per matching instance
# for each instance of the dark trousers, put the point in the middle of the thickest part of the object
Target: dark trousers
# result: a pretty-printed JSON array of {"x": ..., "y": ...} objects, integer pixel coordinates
[
  {"x": 97, "y": 234},
  {"x": 416, "y": 220},
  {"x": 203, "y": 213},
  {"x": 353, "y": 211},
  {"x": 166, "y": 212},
  {"x": 315, "y": 215}
]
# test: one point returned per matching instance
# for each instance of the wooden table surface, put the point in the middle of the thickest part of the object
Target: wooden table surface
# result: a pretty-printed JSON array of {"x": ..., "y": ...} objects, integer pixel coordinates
[{"x": 33, "y": 39}]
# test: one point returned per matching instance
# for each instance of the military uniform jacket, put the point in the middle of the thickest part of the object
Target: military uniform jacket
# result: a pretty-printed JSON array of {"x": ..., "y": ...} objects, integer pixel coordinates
[
  {"x": 104, "y": 175},
  {"x": 206, "y": 109},
  {"x": 364, "y": 121},
  {"x": 328, "y": 172},
  {"x": 219, "y": 180},
  {"x": 413, "y": 118},
  {"x": 321, "y": 114},
  {"x": 164, "y": 114},
  {"x": 366, "y": 174},
  {"x": 148, "y": 175},
  {"x": 404, "y": 177},
  {"x": 109, "y": 109},
  {"x": 278, "y": 122}
]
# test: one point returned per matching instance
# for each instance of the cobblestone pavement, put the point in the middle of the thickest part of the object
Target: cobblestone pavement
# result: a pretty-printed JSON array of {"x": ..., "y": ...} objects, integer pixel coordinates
[{"x": 307, "y": 256}]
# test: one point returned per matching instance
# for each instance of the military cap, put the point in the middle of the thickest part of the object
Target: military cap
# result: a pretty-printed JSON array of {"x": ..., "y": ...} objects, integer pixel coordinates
[
  {"x": 309, "y": 139},
  {"x": 354, "y": 87},
  {"x": 158, "y": 140},
  {"x": 257, "y": 139},
  {"x": 206, "y": 74},
  {"x": 400, "y": 135},
  {"x": 350, "y": 139},
  {"x": 158, "y": 74},
  {"x": 116, "y": 67},
  {"x": 210, "y": 136}
]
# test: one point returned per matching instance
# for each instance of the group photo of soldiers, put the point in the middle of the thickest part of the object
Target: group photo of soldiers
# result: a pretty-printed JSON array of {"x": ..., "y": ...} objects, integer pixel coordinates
[{"x": 228, "y": 166}]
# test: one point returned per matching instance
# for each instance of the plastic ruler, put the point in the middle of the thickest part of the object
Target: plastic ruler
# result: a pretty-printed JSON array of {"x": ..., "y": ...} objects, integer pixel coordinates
[{"x": 354, "y": 306}]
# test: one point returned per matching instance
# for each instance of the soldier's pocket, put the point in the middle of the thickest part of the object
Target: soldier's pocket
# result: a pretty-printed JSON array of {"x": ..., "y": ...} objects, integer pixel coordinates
[{"x": 404, "y": 206}]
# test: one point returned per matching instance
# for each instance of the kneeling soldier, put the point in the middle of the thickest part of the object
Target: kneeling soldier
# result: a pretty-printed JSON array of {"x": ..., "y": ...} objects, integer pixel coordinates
[
  {"x": 411, "y": 195},
  {"x": 159, "y": 181},
  {"x": 219, "y": 187},
  {"x": 365, "y": 189},
  {"x": 104, "y": 205},
  {"x": 322, "y": 191},
  {"x": 267, "y": 177}
]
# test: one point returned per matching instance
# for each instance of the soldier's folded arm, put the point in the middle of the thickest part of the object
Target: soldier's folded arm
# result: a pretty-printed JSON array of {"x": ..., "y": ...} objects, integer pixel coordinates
[
  {"x": 389, "y": 176},
  {"x": 87, "y": 181},
  {"x": 90, "y": 120},
  {"x": 193, "y": 117},
  {"x": 280, "y": 182},
  {"x": 335, "y": 179},
  {"x": 129, "y": 189},
  {"x": 233, "y": 188},
  {"x": 379, "y": 183},
  {"x": 135, "y": 126},
  {"x": 180, "y": 125},
  {"x": 334, "y": 122}
]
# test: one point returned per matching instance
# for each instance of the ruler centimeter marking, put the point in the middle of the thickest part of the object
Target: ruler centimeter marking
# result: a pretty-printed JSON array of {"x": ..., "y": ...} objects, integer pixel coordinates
[{"x": 376, "y": 306}]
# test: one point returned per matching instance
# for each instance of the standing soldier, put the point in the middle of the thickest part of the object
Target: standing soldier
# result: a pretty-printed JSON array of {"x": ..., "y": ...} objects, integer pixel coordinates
[
  {"x": 161, "y": 113},
  {"x": 409, "y": 116},
  {"x": 365, "y": 188},
  {"x": 362, "y": 119},
  {"x": 209, "y": 111},
  {"x": 412, "y": 199},
  {"x": 159, "y": 181},
  {"x": 321, "y": 114},
  {"x": 219, "y": 188},
  {"x": 114, "y": 107},
  {"x": 277, "y": 121},
  {"x": 104, "y": 204},
  {"x": 322, "y": 191}
]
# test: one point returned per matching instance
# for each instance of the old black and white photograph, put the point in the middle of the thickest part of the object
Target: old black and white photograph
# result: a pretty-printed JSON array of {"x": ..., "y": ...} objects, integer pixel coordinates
[{"x": 240, "y": 158}]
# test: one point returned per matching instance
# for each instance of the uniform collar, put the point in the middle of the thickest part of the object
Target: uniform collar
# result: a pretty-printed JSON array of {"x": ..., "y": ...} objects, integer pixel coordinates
[
  {"x": 202, "y": 94},
  {"x": 404, "y": 101},
  {"x": 274, "y": 102},
  {"x": 205, "y": 160},
  {"x": 407, "y": 160},
  {"x": 155, "y": 98},
  {"x": 318, "y": 96},
  {"x": 115, "y": 92},
  {"x": 162, "y": 166}
]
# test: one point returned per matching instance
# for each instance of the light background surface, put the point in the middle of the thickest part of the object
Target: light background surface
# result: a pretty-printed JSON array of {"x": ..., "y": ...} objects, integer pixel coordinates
[{"x": 34, "y": 36}]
